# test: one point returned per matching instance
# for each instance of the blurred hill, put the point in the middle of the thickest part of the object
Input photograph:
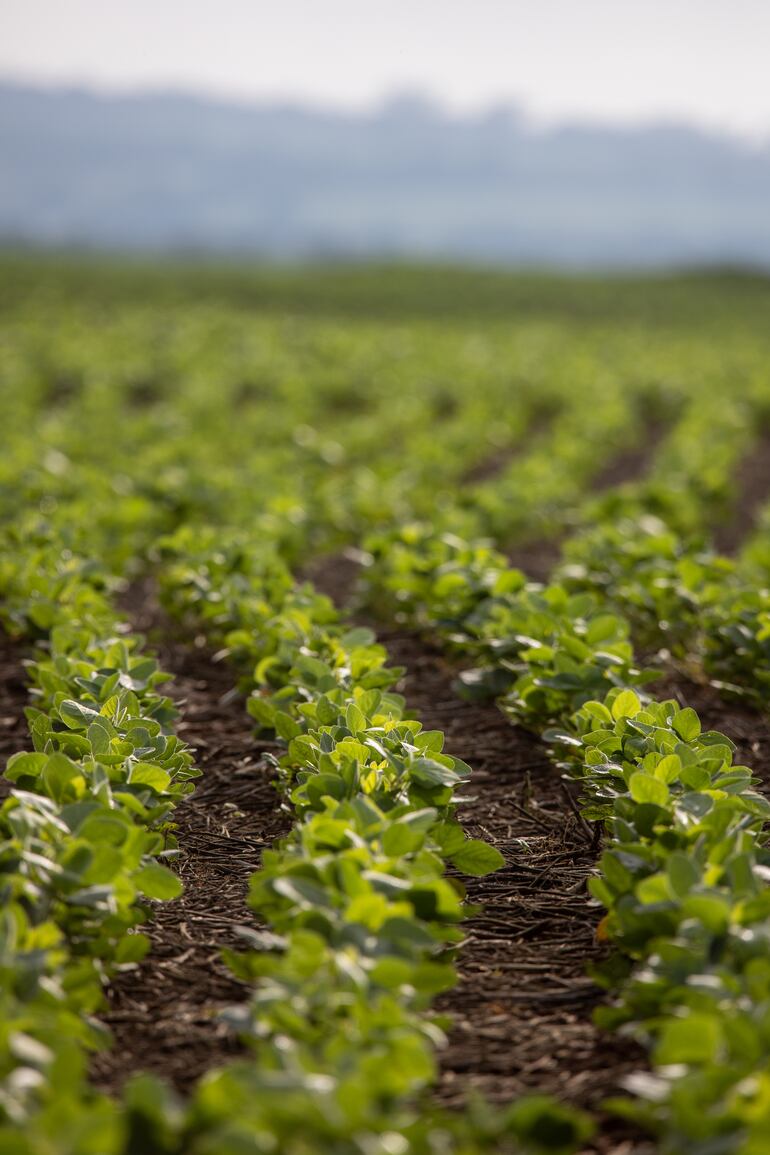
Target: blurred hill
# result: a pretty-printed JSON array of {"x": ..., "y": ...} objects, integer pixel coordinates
[{"x": 171, "y": 172}]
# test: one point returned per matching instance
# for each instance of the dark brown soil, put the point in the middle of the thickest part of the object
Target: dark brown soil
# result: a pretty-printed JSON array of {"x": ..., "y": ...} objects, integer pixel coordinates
[
  {"x": 537, "y": 559},
  {"x": 163, "y": 1014},
  {"x": 752, "y": 485},
  {"x": 522, "y": 1011},
  {"x": 14, "y": 735}
]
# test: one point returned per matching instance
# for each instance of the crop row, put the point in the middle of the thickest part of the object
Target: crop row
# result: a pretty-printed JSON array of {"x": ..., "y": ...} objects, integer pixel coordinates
[
  {"x": 709, "y": 613},
  {"x": 684, "y": 874},
  {"x": 362, "y": 918},
  {"x": 84, "y": 836},
  {"x": 121, "y": 396}
]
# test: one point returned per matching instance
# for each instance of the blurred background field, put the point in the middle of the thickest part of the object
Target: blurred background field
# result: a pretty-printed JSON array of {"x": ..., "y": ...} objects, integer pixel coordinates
[{"x": 356, "y": 396}]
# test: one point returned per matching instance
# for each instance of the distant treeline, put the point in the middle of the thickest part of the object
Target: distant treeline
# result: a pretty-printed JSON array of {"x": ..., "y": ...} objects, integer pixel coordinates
[{"x": 171, "y": 172}]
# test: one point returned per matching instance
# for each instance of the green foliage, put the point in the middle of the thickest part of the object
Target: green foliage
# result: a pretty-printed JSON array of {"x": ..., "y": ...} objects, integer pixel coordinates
[
  {"x": 363, "y": 919},
  {"x": 710, "y": 612},
  {"x": 545, "y": 650},
  {"x": 158, "y": 418},
  {"x": 683, "y": 876},
  {"x": 81, "y": 832}
]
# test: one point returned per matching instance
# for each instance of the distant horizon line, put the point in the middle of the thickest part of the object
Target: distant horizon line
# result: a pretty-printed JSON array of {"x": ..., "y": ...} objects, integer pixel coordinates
[
  {"x": 515, "y": 109},
  {"x": 258, "y": 261}
]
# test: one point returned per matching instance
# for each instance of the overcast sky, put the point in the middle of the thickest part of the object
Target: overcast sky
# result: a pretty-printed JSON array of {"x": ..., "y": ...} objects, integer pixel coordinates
[{"x": 704, "y": 61}]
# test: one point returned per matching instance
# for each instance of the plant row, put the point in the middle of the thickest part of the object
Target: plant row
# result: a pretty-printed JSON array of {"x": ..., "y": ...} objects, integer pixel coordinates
[
  {"x": 645, "y": 552},
  {"x": 84, "y": 841},
  {"x": 132, "y": 397},
  {"x": 710, "y": 613},
  {"x": 684, "y": 875}
]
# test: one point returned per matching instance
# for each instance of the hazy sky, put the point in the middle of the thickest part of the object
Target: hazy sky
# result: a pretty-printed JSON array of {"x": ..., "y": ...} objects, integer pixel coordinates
[{"x": 698, "y": 60}]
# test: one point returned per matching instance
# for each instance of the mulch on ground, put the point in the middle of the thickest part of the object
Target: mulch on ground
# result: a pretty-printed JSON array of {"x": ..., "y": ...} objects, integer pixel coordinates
[{"x": 163, "y": 1014}]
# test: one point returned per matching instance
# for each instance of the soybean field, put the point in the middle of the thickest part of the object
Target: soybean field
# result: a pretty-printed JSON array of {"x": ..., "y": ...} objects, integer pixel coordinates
[{"x": 384, "y": 690}]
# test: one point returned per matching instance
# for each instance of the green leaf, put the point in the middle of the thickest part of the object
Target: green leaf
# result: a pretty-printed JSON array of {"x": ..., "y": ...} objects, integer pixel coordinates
[
  {"x": 355, "y": 720},
  {"x": 668, "y": 769},
  {"x": 449, "y": 837},
  {"x": 76, "y": 715},
  {"x": 599, "y": 711},
  {"x": 392, "y": 973},
  {"x": 653, "y": 889},
  {"x": 63, "y": 778},
  {"x": 645, "y": 788},
  {"x": 427, "y": 772},
  {"x": 326, "y": 712},
  {"x": 358, "y": 638},
  {"x": 24, "y": 765},
  {"x": 626, "y": 705},
  {"x": 710, "y": 909},
  {"x": 687, "y": 724},
  {"x": 132, "y": 948},
  {"x": 285, "y": 726},
  {"x": 602, "y": 629},
  {"x": 695, "y": 1039},
  {"x": 262, "y": 710},
  {"x": 682, "y": 872},
  {"x": 157, "y": 881},
  {"x": 148, "y": 774},
  {"x": 477, "y": 858},
  {"x": 400, "y": 839},
  {"x": 430, "y": 741}
]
